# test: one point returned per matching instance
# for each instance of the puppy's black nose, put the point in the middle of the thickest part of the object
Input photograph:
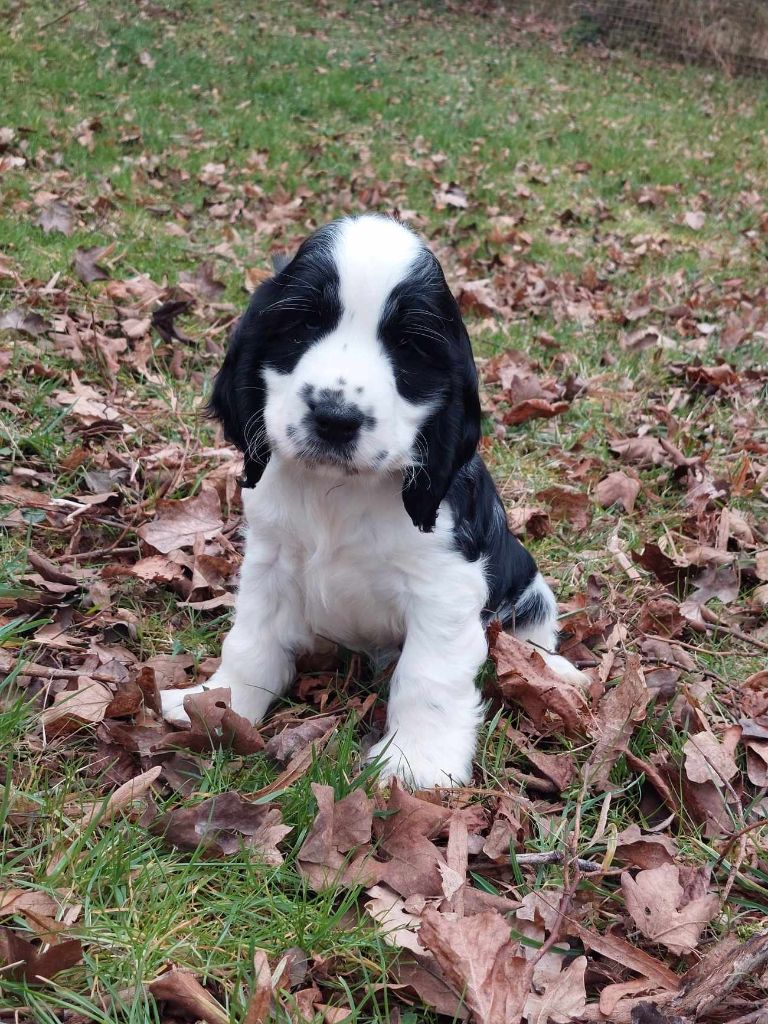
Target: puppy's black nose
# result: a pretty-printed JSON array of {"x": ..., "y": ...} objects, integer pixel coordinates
[{"x": 336, "y": 422}]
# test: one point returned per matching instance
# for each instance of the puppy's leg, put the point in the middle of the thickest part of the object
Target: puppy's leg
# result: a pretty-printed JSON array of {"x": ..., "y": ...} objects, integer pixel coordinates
[
  {"x": 258, "y": 655},
  {"x": 434, "y": 707},
  {"x": 536, "y": 623}
]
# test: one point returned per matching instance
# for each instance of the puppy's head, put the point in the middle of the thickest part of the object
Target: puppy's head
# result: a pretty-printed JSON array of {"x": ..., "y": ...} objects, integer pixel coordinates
[{"x": 353, "y": 359}]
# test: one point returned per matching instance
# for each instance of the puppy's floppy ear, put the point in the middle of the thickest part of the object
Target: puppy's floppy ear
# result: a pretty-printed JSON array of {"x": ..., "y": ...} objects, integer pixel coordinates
[
  {"x": 239, "y": 392},
  {"x": 449, "y": 437}
]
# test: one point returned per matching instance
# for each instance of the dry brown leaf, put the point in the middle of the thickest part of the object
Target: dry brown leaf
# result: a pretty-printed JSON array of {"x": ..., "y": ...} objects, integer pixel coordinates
[
  {"x": 644, "y": 851},
  {"x": 178, "y": 524},
  {"x": 224, "y": 824},
  {"x": 88, "y": 405},
  {"x": 564, "y": 996},
  {"x": 480, "y": 963},
  {"x": 524, "y": 676},
  {"x": 398, "y": 926},
  {"x": 29, "y": 964},
  {"x": 533, "y": 408},
  {"x": 617, "y": 489},
  {"x": 259, "y": 1005},
  {"x": 214, "y": 725},
  {"x": 185, "y": 993},
  {"x": 695, "y": 219},
  {"x": 709, "y": 760},
  {"x": 104, "y": 811},
  {"x": 72, "y": 709},
  {"x": 294, "y": 738},
  {"x": 87, "y": 266},
  {"x": 157, "y": 569},
  {"x": 641, "y": 451},
  {"x": 621, "y": 710},
  {"x": 528, "y": 519},
  {"x": 567, "y": 505},
  {"x": 203, "y": 282},
  {"x": 57, "y": 216},
  {"x": 629, "y": 956},
  {"x": 662, "y": 912},
  {"x": 338, "y": 829}
]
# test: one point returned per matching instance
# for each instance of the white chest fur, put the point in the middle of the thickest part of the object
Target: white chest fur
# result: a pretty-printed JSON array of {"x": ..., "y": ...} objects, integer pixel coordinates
[{"x": 359, "y": 563}]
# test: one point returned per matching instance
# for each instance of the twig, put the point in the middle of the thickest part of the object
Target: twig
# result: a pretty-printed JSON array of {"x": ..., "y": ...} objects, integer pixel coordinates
[
  {"x": 737, "y": 835},
  {"x": 52, "y": 671},
  {"x": 754, "y": 1016},
  {"x": 94, "y": 554},
  {"x": 554, "y": 857},
  {"x": 735, "y": 869},
  {"x": 66, "y": 14},
  {"x": 714, "y": 623}
]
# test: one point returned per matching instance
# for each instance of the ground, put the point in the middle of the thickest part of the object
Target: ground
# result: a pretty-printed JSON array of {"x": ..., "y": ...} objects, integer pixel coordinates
[{"x": 603, "y": 221}]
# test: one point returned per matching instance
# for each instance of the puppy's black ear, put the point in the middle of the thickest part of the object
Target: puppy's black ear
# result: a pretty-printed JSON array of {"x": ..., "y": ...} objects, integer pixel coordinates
[
  {"x": 239, "y": 392},
  {"x": 449, "y": 437}
]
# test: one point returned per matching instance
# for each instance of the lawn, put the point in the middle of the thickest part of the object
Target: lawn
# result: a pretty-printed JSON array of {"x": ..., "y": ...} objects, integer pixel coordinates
[{"x": 603, "y": 220}]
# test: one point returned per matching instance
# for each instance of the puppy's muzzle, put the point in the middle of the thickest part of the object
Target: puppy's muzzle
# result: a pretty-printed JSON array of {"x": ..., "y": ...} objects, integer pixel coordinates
[{"x": 335, "y": 423}]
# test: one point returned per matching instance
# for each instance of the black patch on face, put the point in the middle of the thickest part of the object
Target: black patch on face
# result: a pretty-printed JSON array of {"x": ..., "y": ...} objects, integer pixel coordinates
[
  {"x": 423, "y": 333},
  {"x": 287, "y": 314}
]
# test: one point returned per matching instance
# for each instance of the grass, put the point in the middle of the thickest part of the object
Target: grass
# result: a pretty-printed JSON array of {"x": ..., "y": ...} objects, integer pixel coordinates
[{"x": 345, "y": 106}]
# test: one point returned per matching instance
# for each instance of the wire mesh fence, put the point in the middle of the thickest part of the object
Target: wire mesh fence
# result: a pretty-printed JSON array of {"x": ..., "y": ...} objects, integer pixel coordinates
[{"x": 732, "y": 34}]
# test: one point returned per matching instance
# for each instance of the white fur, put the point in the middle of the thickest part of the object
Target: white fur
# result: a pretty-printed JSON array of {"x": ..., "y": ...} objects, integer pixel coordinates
[
  {"x": 373, "y": 254},
  {"x": 333, "y": 554}
]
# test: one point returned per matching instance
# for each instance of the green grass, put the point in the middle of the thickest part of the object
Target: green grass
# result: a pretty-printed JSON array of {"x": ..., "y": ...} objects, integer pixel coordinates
[{"x": 346, "y": 106}]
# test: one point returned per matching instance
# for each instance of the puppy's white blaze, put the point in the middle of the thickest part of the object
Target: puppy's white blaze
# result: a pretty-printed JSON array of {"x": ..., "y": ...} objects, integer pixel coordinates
[{"x": 373, "y": 255}]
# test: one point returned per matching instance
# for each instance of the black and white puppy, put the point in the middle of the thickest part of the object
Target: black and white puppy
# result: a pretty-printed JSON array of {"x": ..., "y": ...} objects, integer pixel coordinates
[{"x": 350, "y": 387}]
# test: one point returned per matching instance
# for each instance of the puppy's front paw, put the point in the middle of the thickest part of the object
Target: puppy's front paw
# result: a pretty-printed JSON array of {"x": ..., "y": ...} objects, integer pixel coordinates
[
  {"x": 565, "y": 669},
  {"x": 249, "y": 701},
  {"x": 421, "y": 764},
  {"x": 172, "y": 704}
]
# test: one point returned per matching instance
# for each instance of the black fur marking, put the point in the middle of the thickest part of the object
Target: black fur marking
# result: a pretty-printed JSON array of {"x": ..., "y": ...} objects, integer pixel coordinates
[
  {"x": 480, "y": 530},
  {"x": 286, "y": 315},
  {"x": 423, "y": 333}
]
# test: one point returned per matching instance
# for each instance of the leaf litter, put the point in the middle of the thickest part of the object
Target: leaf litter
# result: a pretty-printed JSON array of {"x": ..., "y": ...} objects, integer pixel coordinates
[{"x": 508, "y": 900}]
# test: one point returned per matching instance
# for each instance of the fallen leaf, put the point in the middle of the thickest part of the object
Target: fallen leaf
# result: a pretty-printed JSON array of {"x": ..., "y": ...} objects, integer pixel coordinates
[
  {"x": 617, "y": 489},
  {"x": 695, "y": 219},
  {"x": 87, "y": 266},
  {"x": 398, "y": 927},
  {"x": 528, "y": 519},
  {"x": 338, "y": 829},
  {"x": 650, "y": 850},
  {"x": 480, "y": 963},
  {"x": 708, "y": 760},
  {"x": 524, "y": 676},
  {"x": 659, "y": 907},
  {"x": 185, "y": 993},
  {"x": 224, "y": 824},
  {"x": 19, "y": 959},
  {"x": 57, "y": 216},
  {"x": 451, "y": 195},
  {"x": 641, "y": 451},
  {"x": 531, "y": 409},
  {"x": 87, "y": 404},
  {"x": 19, "y": 319},
  {"x": 179, "y": 523},
  {"x": 258, "y": 1008},
  {"x": 72, "y": 709},
  {"x": 164, "y": 320},
  {"x": 203, "y": 282},
  {"x": 567, "y": 505},
  {"x": 563, "y": 999},
  {"x": 621, "y": 710},
  {"x": 104, "y": 811},
  {"x": 290, "y": 741}
]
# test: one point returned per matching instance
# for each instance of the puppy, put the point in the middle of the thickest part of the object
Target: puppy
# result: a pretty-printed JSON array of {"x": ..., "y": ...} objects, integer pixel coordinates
[{"x": 350, "y": 388}]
